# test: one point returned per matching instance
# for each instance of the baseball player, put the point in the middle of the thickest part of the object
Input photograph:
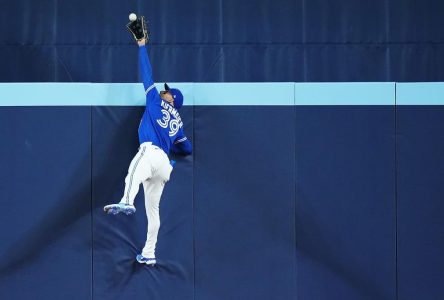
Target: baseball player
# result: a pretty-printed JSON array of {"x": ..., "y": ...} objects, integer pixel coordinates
[{"x": 160, "y": 131}]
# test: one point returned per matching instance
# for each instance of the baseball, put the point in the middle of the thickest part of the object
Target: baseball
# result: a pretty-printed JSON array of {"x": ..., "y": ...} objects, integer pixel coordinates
[{"x": 132, "y": 17}]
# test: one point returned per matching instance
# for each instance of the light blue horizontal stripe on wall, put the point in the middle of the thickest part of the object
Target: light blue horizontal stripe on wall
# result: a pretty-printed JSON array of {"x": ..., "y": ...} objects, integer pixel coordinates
[
  {"x": 279, "y": 93},
  {"x": 80, "y": 94},
  {"x": 266, "y": 93},
  {"x": 420, "y": 93},
  {"x": 348, "y": 93}
]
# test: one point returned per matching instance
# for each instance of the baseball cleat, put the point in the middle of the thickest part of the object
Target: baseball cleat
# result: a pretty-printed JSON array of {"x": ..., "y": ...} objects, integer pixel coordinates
[
  {"x": 115, "y": 209},
  {"x": 145, "y": 260}
]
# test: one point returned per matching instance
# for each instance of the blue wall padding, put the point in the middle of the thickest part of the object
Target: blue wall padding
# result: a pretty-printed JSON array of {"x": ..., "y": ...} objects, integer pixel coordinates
[
  {"x": 345, "y": 202},
  {"x": 327, "y": 62},
  {"x": 224, "y": 40},
  {"x": 420, "y": 190},
  {"x": 277, "y": 202},
  {"x": 118, "y": 239},
  {"x": 244, "y": 202},
  {"x": 45, "y": 184}
]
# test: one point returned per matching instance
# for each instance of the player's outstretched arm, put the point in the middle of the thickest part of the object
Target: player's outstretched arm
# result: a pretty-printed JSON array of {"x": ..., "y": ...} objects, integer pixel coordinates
[
  {"x": 146, "y": 72},
  {"x": 139, "y": 30}
]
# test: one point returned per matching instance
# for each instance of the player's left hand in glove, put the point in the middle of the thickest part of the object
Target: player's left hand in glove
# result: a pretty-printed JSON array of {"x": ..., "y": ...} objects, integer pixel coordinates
[{"x": 138, "y": 28}]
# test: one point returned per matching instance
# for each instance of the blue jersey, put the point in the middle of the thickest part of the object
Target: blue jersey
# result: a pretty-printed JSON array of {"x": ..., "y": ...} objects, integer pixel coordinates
[{"x": 161, "y": 123}]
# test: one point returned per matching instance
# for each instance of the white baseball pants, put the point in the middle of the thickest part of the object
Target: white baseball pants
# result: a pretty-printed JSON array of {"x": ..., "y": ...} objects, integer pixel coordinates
[{"x": 151, "y": 167}]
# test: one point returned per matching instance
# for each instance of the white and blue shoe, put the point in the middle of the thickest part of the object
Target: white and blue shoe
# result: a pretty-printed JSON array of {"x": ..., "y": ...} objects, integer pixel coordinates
[
  {"x": 145, "y": 260},
  {"x": 114, "y": 209}
]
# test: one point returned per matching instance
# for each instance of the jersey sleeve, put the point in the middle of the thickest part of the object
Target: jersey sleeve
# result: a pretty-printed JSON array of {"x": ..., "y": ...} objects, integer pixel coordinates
[
  {"x": 146, "y": 73},
  {"x": 182, "y": 146}
]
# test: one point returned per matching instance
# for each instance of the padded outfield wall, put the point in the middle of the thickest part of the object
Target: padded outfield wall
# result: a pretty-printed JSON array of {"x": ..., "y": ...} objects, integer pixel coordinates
[
  {"x": 294, "y": 191},
  {"x": 224, "y": 40}
]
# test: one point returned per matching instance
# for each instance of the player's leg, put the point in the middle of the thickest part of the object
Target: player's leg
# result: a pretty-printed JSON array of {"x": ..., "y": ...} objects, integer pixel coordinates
[
  {"x": 138, "y": 171},
  {"x": 153, "y": 189}
]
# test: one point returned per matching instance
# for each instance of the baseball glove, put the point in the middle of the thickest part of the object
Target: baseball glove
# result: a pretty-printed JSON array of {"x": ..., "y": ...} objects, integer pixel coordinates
[{"x": 138, "y": 28}]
